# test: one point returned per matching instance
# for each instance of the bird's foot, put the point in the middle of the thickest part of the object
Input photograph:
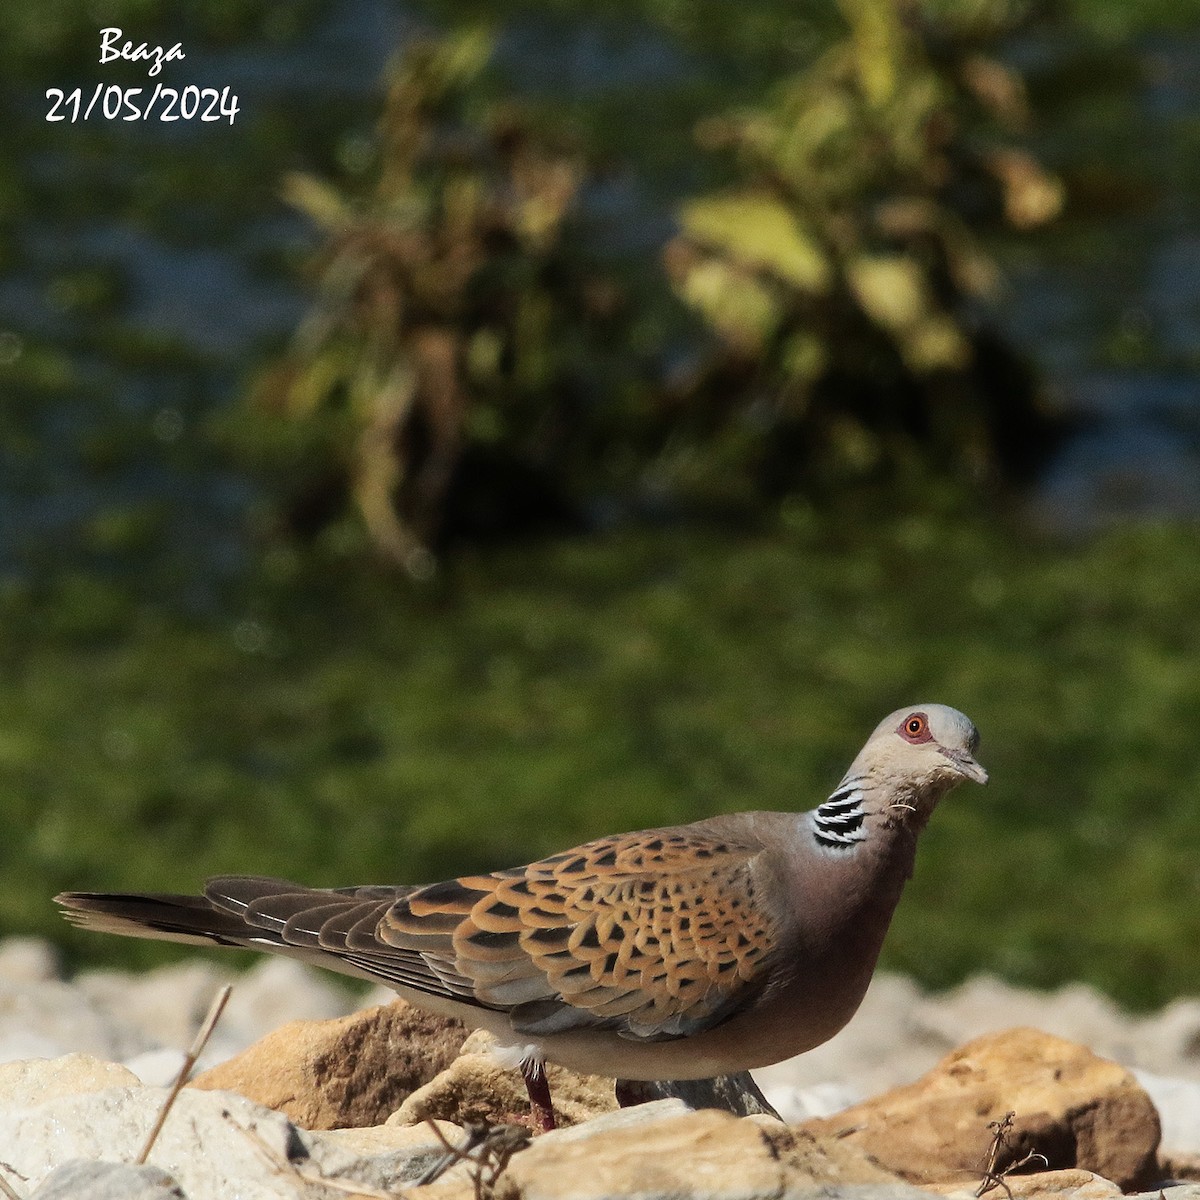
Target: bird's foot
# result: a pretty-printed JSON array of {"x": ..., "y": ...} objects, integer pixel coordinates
[{"x": 533, "y": 1071}]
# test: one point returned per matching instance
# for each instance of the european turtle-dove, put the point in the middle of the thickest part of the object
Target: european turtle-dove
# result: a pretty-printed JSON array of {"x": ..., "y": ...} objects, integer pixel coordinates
[{"x": 675, "y": 953}]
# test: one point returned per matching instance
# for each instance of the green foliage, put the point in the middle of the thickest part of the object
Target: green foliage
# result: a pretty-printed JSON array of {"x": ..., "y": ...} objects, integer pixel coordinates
[
  {"x": 842, "y": 268},
  {"x": 458, "y": 317},
  {"x": 344, "y": 729},
  {"x": 453, "y": 314}
]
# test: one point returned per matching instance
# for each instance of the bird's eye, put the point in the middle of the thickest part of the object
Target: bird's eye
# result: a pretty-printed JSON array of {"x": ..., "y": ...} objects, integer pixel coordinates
[{"x": 916, "y": 728}]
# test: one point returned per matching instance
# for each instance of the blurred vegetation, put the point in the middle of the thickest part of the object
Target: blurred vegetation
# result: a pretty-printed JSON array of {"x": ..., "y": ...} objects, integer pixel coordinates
[
  {"x": 458, "y": 331},
  {"x": 842, "y": 268},
  {"x": 462, "y": 343},
  {"x": 180, "y": 698}
]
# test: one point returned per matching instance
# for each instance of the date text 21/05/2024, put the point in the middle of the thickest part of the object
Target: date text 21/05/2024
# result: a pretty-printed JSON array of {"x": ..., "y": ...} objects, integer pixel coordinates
[{"x": 113, "y": 102}]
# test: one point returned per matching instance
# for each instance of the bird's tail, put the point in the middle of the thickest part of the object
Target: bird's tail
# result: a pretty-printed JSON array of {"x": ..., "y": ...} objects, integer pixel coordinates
[{"x": 168, "y": 917}]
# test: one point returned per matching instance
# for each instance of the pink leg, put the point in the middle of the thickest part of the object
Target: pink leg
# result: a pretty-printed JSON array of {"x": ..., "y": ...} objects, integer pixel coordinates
[{"x": 538, "y": 1087}]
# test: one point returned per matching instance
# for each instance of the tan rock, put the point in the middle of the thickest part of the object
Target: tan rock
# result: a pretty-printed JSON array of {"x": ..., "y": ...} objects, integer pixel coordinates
[
  {"x": 386, "y": 1157},
  {"x": 383, "y": 1139},
  {"x": 710, "y": 1153},
  {"x": 478, "y": 1087},
  {"x": 1180, "y": 1166},
  {"x": 1072, "y": 1184},
  {"x": 352, "y": 1071},
  {"x": 1075, "y": 1108},
  {"x": 36, "y": 1080}
]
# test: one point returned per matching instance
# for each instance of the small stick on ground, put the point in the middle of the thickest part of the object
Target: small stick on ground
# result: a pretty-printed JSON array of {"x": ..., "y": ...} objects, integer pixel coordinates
[
  {"x": 488, "y": 1149},
  {"x": 10, "y": 1192},
  {"x": 993, "y": 1178},
  {"x": 197, "y": 1048}
]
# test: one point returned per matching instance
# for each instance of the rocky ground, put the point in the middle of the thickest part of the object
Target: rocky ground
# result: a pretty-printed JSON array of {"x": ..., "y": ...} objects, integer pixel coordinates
[{"x": 353, "y": 1098}]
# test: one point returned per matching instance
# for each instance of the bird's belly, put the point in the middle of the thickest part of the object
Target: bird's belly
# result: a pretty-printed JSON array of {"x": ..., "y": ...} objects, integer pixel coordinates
[{"x": 739, "y": 1044}]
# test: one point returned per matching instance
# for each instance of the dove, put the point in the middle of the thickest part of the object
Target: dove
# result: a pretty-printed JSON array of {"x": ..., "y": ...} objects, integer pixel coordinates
[{"x": 677, "y": 953}]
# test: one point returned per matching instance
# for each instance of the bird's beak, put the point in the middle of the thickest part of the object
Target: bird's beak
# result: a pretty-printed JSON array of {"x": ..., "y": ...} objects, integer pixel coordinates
[{"x": 966, "y": 766}]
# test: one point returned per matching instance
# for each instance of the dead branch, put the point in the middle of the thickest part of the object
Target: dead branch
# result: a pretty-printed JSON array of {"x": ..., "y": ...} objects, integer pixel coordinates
[{"x": 197, "y": 1048}]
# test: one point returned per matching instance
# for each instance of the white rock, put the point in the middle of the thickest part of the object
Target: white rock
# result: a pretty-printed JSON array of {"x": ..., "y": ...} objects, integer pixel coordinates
[
  {"x": 34, "y": 1081},
  {"x": 47, "y": 1019},
  {"x": 278, "y": 990},
  {"x": 156, "y": 1068},
  {"x": 1178, "y": 1104},
  {"x": 166, "y": 1004},
  {"x": 986, "y": 1004},
  {"x": 203, "y": 1144},
  {"x": 623, "y": 1118},
  {"x": 56, "y": 1113},
  {"x": 29, "y": 960},
  {"x": 795, "y": 1104},
  {"x": 383, "y": 1156},
  {"x": 1168, "y": 1042},
  {"x": 107, "y": 1181}
]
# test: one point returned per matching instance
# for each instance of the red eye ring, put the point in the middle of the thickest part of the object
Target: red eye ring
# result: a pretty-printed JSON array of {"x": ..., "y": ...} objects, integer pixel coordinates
[{"x": 915, "y": 728}]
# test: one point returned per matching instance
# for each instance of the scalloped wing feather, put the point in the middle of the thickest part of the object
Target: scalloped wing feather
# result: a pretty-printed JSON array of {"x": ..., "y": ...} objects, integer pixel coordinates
[{"x": 654, "y": 934}]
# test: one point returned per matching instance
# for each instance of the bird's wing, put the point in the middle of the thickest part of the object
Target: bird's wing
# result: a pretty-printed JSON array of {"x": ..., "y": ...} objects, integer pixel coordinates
[
  {"x": 652, "y": 935},
  {"x": 655, "y": 934}
]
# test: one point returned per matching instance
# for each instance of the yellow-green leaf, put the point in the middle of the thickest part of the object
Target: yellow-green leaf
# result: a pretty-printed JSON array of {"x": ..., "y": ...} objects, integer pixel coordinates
[{"x": 760, "y": 232}]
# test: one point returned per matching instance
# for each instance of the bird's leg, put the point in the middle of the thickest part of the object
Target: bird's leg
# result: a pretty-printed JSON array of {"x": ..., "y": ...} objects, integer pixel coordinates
[{"x": 533, "y": 1071}]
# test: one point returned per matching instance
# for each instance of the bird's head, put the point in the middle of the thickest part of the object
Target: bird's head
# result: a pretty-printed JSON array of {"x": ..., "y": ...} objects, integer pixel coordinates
[{"x": 920, "y": 752}]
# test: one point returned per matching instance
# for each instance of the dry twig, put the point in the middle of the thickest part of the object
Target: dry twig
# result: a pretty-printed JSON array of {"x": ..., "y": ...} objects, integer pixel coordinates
[
  {"x": 10, "y": 1192},
  {"x": 993, "y": 1178},
  {"x": 197, "y": 1048},
  {"x": 487, "y": 1148}
]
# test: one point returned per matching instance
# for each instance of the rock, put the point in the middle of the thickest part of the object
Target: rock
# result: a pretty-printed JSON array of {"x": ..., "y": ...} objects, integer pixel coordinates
[
  {"x": 796, "y": 1104},
  {"x": 985, "y": 1004},
  {"x": 899, "y": 1033},
  {"x": 1178, "y": 1104},
  {"x": 34, "y": 1081},
  {"x": 166, "y": 1004},
  {"x": 169, "y": 1003},
  {"x": 383, "y": 1156},
  {"x": 738, "y": 1094},
  {"x": 29, "y": 960},
  {"x": 477, "y": 1086},
  {"x": 48, "y": 1019},
  {"x": 160, "y": 1068},
  {"x": 204, "y": 1143},
  {"x": 108, "y": 1181},
  {"x": 1180, "y": 1168},
  {"x": 1062, "y": 1185},
  {"x": 1043, "y": 1185},
  {"x": 624, "y": 1118},
  {"x": 352, "y": 1071},
  {"x": 1170, "y": 1191},
  {"x": 1168, "y": 1042},
  {"x": 708, "y": 1154},
  {"x": 276, "y": 990},
  {"x": 1075, "y": 1108}
]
